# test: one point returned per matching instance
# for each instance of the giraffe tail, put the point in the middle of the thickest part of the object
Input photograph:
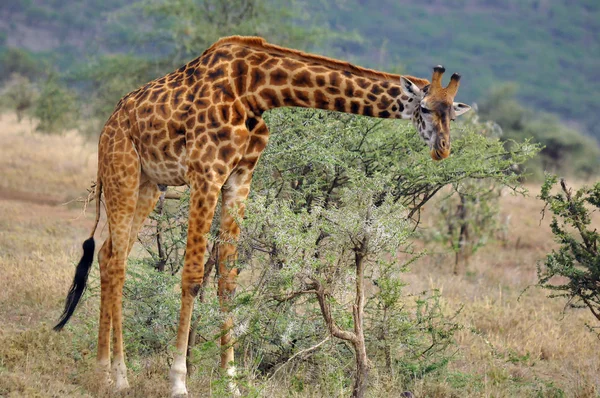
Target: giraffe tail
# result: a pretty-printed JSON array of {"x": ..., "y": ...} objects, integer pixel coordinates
[{"x": 82, "y": 270}]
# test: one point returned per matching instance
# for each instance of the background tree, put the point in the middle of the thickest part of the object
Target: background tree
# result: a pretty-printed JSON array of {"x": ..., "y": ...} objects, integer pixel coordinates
[
  {"x": 19, "y": 94},
  {"x": 189, "y": 27},
  {"x": 469, "y": 211},
  {"x": 55, "y": 108}
]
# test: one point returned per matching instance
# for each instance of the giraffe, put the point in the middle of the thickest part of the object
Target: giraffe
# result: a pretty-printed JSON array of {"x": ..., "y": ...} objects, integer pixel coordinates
[{"x": 201, "y": 126}]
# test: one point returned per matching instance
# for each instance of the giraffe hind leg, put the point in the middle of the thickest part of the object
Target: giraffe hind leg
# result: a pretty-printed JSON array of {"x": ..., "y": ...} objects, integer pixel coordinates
[
  {"x": 105, "y": 322},
  {"x": 121, "y": 183},
  {"x": 146, "y": 200},
  {"x": 234, "y": 193},
  {"x": 129, "y": 224},
  {"x": 112, "y": 282},
  {"x": 147, "y": 197}
]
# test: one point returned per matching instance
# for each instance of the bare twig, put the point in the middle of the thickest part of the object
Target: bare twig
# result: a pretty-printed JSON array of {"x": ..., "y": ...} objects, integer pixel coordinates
[
  {"x": 302, "y": 352},
  {"x": 291, "y": 296}
]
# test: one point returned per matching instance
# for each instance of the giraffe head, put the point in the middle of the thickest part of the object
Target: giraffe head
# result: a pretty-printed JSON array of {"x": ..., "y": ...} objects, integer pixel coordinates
[{"x": 433, "y": 108}]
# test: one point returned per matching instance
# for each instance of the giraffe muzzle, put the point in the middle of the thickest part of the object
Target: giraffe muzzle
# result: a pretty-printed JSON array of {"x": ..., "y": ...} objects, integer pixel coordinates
[{"x": 437, "y": 154}]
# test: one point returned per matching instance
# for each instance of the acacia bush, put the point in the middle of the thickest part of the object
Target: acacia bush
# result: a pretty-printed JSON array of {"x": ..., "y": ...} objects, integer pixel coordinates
[
  {"x": 334, "y": 202},
  {"x": 151, "y": 305},
  {"x": 577, "y": 259}
]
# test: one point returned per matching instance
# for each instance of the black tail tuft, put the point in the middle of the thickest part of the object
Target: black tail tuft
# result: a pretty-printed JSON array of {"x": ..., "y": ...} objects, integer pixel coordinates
[{"x": 79, "y": 282}]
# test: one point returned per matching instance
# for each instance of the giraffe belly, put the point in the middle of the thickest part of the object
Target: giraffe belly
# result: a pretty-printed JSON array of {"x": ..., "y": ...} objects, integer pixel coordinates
[{"x": 170, "y": 172}]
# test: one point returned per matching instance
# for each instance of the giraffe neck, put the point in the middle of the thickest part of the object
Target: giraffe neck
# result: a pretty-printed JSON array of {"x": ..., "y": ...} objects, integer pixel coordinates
[
  {"x": 266, "y": 80},
  {"x": 325, "y": 88}
]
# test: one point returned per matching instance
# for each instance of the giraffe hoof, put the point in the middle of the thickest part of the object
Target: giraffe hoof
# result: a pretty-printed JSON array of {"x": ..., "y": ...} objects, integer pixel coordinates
[
  {"x": 121, "y": 385},
  {"x": 232, "y": 385},
  {"x": 120, "y": 376},
  {"x": 104, "y": 377},
  {"x": 179, "y": 394},
  {"x": 234, "y": 390},
  {"x": 178, "y": 389}
]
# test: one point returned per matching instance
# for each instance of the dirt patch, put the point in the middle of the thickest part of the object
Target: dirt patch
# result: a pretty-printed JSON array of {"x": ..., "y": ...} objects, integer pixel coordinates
[{"x": 29, "y": 197}]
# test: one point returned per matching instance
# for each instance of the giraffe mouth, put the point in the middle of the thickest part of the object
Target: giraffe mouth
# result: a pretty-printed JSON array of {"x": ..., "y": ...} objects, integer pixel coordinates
[{"x": 438, "y": 155}]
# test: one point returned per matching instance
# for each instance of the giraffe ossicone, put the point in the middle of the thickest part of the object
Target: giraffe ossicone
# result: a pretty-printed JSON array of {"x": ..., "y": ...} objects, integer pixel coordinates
[{"x": 202, "y": 126}]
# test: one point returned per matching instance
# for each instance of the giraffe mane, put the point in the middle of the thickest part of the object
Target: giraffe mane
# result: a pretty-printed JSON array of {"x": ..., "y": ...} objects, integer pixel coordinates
[{"x": 260, "y": 43}]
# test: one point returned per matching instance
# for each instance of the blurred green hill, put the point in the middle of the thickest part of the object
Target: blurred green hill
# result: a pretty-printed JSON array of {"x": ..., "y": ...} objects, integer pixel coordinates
[{"x": 549, "y": 48}]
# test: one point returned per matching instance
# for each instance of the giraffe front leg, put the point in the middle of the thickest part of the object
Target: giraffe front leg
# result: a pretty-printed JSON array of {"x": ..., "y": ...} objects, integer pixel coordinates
[
  {"x": 121, "y": 196},
  {"x": 203, "y": 200},
  {"x": 235, "y": 191},
  {"x": 226, "y": 289}
]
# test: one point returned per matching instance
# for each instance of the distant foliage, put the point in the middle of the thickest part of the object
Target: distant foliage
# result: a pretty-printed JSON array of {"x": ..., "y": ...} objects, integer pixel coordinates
[
  {"x": 19, "y": 94},
  {"x": 191, "y": 26},
  {"x": 22, "y": 62},
  {"x": 577, "y": 259},
  {"x": 109, "y": 78},
  {"x": 546, "y": 47},
  {"x": 169, "y": 34},
  {"x": 566, "y": 150},
  {"x": 108, "y": 48},
  {"x": 55, "y": 109}
]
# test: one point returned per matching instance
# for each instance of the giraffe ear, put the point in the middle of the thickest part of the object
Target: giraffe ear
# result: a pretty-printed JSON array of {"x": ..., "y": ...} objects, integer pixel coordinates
[
  {"x": 409, "y": 88},
  {"x": 460, "y": 108}
]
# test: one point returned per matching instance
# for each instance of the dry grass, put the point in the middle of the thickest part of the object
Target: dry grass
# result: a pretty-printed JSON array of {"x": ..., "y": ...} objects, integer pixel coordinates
[
  {"x": 516, "y": 341},
  {"x": 514, "y": 336},
  {"x": 40, "y": 168},
  {"x": 38, "y": 243}
]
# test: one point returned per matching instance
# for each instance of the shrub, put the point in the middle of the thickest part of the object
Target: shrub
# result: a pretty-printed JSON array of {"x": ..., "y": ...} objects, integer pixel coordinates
[
  {"x": 577, "y": 259},
  {"x": 151, "y": 305},
  {"x": 332, "y": 203}
]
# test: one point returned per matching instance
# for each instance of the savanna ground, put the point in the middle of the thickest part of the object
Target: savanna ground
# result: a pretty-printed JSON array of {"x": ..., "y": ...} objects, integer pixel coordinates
[{"x": 514, "y": 340}]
